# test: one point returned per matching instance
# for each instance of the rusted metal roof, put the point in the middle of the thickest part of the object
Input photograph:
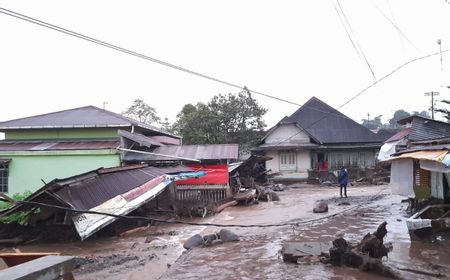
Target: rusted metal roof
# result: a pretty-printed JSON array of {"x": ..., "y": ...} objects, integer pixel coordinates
[
  {"x": 83, "y": 117},
  {"x": 95, "y": 187},
  {"x": 399, "y": 135},
  {"x": 199, "y": 152},
  {"x": 57, "y": 145},
  {"x": 91, "y": 192}
]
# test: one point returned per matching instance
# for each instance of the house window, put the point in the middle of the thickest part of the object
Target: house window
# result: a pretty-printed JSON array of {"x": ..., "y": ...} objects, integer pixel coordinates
[
  {"x": 288, "y": 161},
  {"x": 4, "y": 171}
]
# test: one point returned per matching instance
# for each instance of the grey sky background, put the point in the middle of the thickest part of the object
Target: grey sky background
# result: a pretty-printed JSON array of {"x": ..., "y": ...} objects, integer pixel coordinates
[{"x": 290, "y": 49}]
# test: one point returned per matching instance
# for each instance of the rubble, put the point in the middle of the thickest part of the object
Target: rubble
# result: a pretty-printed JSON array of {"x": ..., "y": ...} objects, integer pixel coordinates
[
  {"x": 267, "y": 193},
  {"x": 197, "y": 240},
  {"x": 321, "y": 207},
  {"x": 365, "y": 256}
]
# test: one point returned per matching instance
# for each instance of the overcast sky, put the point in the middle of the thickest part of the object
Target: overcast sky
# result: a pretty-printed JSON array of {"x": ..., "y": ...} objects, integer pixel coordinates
[{"x": 290, "y": 49}]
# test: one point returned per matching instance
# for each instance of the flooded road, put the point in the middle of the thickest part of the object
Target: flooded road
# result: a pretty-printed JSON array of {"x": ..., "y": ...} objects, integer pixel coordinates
[
  {"x": 156, "y": 252},
  {"x": 257, "y": 255}
]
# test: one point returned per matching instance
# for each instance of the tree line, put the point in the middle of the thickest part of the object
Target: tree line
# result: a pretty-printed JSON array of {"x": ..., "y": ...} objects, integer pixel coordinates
[
  {"x": 226, "y": 118},
  {"x": 235, "y": 118}
]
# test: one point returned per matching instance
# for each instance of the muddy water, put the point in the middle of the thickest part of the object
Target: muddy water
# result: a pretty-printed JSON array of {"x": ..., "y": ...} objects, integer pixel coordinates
[
  {"x": 257, "y": 255},
  {"x": 147, "y": 254}
]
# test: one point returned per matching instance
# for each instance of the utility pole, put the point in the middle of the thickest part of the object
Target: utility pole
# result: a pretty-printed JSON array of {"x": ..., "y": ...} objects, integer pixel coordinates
[
  {"x": 104, "y": 105},
  {"x": 432, "y": 94}
]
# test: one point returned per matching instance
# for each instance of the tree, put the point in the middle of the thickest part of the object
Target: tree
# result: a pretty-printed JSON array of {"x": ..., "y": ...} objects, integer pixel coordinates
[
  {"x": 373, "y": 123},
  {"x": 142, "y": 112},
  {"x": 444, "y": 111},
  {"x": 231, "y": 118},
  {"x": 398, "y": 115},
  {"x": 424, "y": 114}
]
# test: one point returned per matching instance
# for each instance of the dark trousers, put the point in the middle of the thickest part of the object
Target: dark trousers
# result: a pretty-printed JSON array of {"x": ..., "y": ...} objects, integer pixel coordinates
[{"x": 345, "y": 189}]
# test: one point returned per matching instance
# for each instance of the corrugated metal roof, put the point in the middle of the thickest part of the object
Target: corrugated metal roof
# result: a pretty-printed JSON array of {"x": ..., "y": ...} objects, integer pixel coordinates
[
  {"x": 83, "y": 117},
  {"x": 140, "y": 139},
  {"x": 328, "y": 125},
  {"x": 399, "y": 135},
  {"x": 57, "y": 145},
  {"x": 91, "y": 192},
  {"x": 199, "y": 152},
  {"x": 437, "y": 155},
  {"x": 423, "y": 129}
]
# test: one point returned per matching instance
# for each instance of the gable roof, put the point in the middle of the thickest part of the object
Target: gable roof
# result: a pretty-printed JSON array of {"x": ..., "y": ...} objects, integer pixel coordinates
[
  {"x": 82, "y": 117},
  {"x": 425, "y": 129},
  {"x": 328, "y": 125}
]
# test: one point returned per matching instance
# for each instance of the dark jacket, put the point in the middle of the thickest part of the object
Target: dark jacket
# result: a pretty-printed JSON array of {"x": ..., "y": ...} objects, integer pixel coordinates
[{"x": 343, "y": 178}]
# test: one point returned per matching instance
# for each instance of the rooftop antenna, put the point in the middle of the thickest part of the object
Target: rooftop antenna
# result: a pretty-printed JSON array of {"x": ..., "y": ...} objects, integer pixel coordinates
[{"x": 104, "y": 105}]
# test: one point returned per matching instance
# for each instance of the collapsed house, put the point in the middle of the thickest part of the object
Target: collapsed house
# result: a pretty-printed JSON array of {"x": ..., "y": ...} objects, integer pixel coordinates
[
  {"x": 317, "y": 140},
  {"x": 114, "y": 191},
  {"x": 213, "y": 159}
]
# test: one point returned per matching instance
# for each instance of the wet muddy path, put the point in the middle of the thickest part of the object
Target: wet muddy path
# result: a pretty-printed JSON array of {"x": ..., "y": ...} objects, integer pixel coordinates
[
  {"x": 257, "y": 255},
  {"x": 156, "y": 252}
]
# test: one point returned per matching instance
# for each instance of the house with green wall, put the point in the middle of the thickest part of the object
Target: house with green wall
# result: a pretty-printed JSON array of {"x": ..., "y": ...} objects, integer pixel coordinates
[{"x": 41, "y": 148}]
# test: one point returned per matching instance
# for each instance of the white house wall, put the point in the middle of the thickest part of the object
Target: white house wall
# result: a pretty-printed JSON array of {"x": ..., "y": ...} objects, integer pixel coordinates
[
  {"x": 287, "y": 134},
  {"x": 402, "y": 177},
  {"x": 274, "y": 163},
  {"x": 303, "y": 161}
]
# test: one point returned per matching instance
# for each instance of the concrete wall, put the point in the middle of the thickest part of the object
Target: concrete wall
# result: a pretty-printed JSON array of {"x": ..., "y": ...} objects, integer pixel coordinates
[
  {"x": 290, "y": 132},
  {"x": 27, "y": 170},
  {"x": 402, "y": 177},
  {"x": 274, "y": 163}
]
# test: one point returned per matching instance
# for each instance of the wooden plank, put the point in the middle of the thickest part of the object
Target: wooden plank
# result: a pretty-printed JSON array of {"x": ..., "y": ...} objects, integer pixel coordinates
[{"x": 45, "y": 268}]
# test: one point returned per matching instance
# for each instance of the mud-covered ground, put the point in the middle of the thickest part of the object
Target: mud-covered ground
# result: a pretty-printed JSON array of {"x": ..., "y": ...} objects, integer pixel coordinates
[{"x": 156, "y": 252}]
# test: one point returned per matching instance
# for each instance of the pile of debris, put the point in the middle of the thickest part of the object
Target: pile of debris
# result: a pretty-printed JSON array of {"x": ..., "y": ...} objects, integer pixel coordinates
[{"x": 366, "y": 255}]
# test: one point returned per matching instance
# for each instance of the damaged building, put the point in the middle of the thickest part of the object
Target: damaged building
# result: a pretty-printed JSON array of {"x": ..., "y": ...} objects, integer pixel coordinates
[{"x": 69, "y": 202}]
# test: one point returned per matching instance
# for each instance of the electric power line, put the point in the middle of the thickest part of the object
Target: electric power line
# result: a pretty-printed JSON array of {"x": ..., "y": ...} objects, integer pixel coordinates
[
  {"x": 398, "y": 29},
  {"x": 354, "y": 36},
  {"x": 142, "y": 56},
  {"x": 133, "y": 53},
  {"x": 365, "y": 89}
]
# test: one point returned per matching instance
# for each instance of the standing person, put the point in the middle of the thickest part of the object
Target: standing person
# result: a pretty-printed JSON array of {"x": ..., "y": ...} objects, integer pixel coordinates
[{"x": 343, "y": 180}]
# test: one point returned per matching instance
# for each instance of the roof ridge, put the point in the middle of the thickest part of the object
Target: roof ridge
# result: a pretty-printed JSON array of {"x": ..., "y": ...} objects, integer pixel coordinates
[{"x": 50, "y": 113}]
